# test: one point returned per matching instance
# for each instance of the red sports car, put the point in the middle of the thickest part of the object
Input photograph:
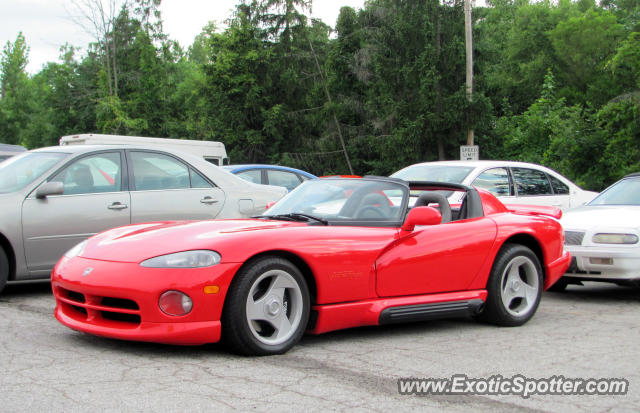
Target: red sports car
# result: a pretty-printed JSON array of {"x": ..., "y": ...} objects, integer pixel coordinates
[{"x": 332, "y": 254}]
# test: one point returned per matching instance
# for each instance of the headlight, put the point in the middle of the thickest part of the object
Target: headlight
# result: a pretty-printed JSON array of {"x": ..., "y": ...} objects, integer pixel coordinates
[
  {"x": 615, "y": 238},
  {"x": 77, "y": 250},
  {"x": 185, "y": 259}
]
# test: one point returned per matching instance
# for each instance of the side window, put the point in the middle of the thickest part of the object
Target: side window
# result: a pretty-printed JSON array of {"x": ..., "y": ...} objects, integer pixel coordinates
[
  {"x": 559, "y": 188},
  {"x": 155, "y": 171},
  {"x": 494, "y": 180},
  {"x": 531, "y": 182},
  {"x": 92, "y": 174},
  {"x": 197, "y": 181},
  {"x": 282, "y": 178},
  {"x": 252, "y": 175}
]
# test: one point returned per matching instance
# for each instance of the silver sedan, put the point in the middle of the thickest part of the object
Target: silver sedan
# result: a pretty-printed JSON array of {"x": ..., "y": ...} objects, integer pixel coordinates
[{"x": 53, "y": 198}]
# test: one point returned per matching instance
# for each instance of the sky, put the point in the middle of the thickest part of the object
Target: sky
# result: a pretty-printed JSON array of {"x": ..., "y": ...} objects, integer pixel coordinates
[{"x": 47, "y": 24}]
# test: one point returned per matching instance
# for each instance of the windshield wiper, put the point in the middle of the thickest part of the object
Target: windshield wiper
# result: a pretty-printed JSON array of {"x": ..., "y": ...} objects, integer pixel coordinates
[
  {"x": 295, "y": 216},
  {"x": 314, "y": 218}
]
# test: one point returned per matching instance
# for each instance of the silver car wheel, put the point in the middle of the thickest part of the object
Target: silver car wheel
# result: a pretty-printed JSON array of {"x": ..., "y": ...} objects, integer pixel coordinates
[
  {"x": 274, "y": 307},
  {"x": 519, "y": 286}
]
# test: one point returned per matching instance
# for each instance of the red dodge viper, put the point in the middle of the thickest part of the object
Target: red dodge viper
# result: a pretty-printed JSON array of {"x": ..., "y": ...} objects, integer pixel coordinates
[{"x": 332, "y": 254}]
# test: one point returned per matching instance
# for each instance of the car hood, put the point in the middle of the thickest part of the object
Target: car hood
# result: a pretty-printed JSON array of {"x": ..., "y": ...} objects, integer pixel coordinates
[
  {"x": 135, "y": 243},
  {"x": 602, "y": 216}
]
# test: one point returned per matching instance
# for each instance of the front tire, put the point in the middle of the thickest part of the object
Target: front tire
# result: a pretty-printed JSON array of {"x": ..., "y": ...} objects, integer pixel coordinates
[
  {"x": 514, "y": 287},
  {"x": 267, "y": 308}
]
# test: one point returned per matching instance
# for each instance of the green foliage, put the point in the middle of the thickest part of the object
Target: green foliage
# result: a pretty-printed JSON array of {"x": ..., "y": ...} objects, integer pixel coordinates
[
  {"x": 620, "y": 123},
  {"x": 625, "y": 65},
  {"x": 555, "y": 83},
  {"x": 583, "y": 45},
  {"x": 111, "y": 118}
]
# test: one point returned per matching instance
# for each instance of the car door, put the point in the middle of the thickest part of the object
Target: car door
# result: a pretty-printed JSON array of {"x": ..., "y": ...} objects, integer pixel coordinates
[
  {"x": 94, "y": 199},
  {"x": 533, "y": 187},
  {"x": 165, "y": 187},
  {"x": 435, "y": 259}
]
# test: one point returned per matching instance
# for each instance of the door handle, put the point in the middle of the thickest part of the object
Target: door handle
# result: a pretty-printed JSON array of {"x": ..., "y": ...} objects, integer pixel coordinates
[
  {"x": 117, "y": 205},
  {"x": 208, "y": 200}
]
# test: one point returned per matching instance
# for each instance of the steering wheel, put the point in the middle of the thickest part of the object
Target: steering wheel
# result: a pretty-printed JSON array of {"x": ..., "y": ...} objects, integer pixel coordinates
[{"x": 362, "y": 212}]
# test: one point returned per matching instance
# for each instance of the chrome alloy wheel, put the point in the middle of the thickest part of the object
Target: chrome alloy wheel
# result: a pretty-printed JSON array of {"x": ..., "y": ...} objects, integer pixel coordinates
[
  {"x": 519, "y": 286},
  {"x": 274, "y": 307}
]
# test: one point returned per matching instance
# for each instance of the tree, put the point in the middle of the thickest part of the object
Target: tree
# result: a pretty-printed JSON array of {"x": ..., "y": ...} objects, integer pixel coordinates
[
  {"x": 583, "y": 45},
  {"x": 282, "y": 18},
  {"x": 97, "y": 18},
  {"x": 13, "y": 63},
  {"x": 16, "y": 96}
]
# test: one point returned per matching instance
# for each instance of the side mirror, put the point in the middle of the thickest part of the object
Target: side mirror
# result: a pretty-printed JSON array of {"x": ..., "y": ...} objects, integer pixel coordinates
[
  {"x": 423, "y": 215},
  {"x": 50, "y": 188}
]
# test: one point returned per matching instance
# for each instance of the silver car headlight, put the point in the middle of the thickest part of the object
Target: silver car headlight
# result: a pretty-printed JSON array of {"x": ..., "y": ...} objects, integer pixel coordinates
[
  {"x": 184, "y": 259},
  {"x": 615, "y": 239},
  {"x": 77, "y": 250}
]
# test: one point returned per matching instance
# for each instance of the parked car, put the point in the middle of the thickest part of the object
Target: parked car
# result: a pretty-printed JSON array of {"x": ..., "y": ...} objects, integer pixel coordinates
[
  {"x": 270, "y": 174},
  {"x": 306, "y": 266},
  {"x": 511, "y": 182},
  {"x": 603, "y": 236},
  {"x": 7, "y": 151},
  {"x": 52, "y": 198}
]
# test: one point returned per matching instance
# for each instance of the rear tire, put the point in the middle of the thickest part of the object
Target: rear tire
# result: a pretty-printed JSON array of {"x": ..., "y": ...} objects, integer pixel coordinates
[
  {"x": 267, "y": 308},
  {"x": 514, "y": 287},
  {"x": 4, "y": 269}
]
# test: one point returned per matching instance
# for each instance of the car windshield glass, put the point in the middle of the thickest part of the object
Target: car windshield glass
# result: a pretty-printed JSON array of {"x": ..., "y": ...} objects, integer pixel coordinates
[
  {"x": 434, "y": 173},
  {"x": 21, "y": 170},
  {"x": 345, "y": 200},
  {"x": 625, "y": 192}
]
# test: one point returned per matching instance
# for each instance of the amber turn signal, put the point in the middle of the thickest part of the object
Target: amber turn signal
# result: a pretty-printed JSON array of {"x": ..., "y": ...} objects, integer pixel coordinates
[{"x": 211, "y": 289}]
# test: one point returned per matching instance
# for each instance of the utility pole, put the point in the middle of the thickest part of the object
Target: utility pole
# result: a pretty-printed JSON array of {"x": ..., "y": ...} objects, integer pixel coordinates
[
  {"x": 335, "y": 118},
  {"x": 469, "y": 52}
]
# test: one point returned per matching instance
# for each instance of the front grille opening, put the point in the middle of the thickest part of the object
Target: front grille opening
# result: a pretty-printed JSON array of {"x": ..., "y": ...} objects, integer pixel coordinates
[
  {"x": 573, "y": 237},
  {"x": 80, "y": 310},
  {"x": 119, "y": 303},
  {"x": 73, "y": 296},
  {"x": 122, "y": 317}
]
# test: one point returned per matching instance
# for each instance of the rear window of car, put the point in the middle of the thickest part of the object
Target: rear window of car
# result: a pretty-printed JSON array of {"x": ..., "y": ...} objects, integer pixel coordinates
[
  {"x": 283, "y": 178},
  {"x": 251, "y": 175},
  {"x": 531, "y": 182},
  {"x": 435, "y": 173},
  {"x": 559, "y": 188}
]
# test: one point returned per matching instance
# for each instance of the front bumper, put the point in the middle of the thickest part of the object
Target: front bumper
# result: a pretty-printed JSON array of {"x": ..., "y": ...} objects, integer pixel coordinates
[
  {"x": 605, "y": 263},
  {"x": 120, "y": 300}
]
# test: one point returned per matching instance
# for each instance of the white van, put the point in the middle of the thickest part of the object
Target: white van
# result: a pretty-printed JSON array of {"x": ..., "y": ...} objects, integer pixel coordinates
[{"x": 211, "y": 151}]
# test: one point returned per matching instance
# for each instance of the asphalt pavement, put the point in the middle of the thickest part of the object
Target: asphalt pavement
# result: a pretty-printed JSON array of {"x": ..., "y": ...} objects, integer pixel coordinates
[{"x": 586, "y": 332}]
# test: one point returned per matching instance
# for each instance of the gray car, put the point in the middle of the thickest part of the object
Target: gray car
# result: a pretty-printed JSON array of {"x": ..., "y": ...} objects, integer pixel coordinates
[{"x": 53, "y": 198}]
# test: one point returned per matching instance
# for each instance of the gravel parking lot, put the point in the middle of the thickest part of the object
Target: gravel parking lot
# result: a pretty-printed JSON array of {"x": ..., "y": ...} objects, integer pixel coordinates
[{"x": 587, "y": 332}]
